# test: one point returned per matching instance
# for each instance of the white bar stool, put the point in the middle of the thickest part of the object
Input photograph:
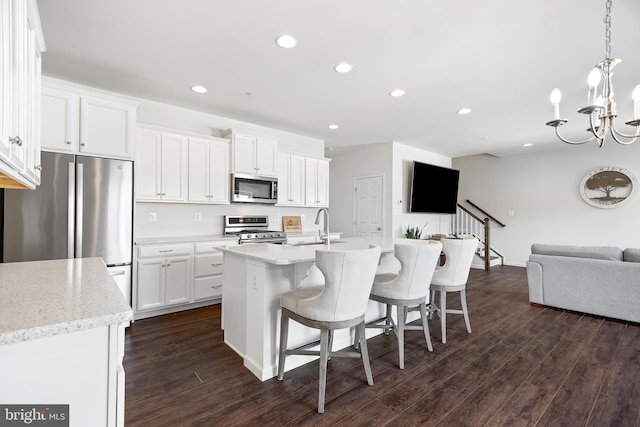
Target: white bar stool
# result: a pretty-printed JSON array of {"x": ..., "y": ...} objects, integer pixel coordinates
[
  {"x": 340, "y": 303},
  {"x": 408, "y": 288},
  {"x": 452, "y": 277}
]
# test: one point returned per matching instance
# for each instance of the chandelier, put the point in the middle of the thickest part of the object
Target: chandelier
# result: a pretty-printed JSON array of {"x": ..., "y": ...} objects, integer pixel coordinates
[{"x": 601, "y": 109}]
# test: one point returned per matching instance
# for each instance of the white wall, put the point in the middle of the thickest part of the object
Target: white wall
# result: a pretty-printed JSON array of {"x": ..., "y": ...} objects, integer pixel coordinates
[
  {"x": 347, "y": 165},
  {"x": 393, "y": 161},
  {"x": 542, "y": 190}
]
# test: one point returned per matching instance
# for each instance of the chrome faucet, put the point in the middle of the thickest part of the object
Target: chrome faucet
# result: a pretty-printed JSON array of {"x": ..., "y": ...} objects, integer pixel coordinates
[{"x": 326, "y": 224}]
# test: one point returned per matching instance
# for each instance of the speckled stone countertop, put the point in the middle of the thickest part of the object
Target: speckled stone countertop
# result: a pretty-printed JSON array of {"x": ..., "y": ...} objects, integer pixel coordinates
[
  {"x": 292, "y": 254},
  {"x": 45, "y": 298},
  {"x": 182, "y": 239}
]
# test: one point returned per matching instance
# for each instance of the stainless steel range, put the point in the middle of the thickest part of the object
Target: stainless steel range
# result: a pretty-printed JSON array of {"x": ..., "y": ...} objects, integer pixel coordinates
[{"x": 252, "y": 229}]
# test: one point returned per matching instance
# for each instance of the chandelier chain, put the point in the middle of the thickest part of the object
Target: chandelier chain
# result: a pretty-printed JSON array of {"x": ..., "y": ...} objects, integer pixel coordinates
[{"x": 607, "y": 32}]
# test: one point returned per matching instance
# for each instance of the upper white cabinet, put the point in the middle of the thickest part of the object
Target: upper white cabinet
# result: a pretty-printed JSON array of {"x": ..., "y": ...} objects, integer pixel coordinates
[
  {"x": 291, "y": 179},
  {"x": 161, "y": 166},
  {"x": 21, "y": 45},
  {"x": 316, "y": 182},
  {"x": 78, "y": 121},
  {"x": 253, "y": 154},
  {"x": 208, "y": 170}
]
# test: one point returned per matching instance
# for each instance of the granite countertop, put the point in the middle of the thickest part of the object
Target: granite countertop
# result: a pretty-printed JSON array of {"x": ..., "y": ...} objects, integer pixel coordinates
[
  {"x": 293, "y": 254},
  {"x": 182, "y": 239},
  {"x": 45, "y": 298}
]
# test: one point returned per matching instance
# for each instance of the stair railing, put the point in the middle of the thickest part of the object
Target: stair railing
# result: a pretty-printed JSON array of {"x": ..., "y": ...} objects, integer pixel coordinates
[{"x": 465, "y": 222}]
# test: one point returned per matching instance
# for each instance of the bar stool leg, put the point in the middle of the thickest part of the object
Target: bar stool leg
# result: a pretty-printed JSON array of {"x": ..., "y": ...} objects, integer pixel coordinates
[
  {"x": 425, "y": 325},
  {"x": 364, "y": 352},
  {"x": 443, "y": 315},
  {"x": 400, "y": 332},
  {"x": 465, "y": 312},
  {"x": 284, "y": 332},
  {"x": 322, "y": 380}
]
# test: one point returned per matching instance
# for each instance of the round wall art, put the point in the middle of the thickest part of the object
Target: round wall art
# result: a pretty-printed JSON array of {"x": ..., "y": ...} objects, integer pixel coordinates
[{"x": 608, "y": 187}]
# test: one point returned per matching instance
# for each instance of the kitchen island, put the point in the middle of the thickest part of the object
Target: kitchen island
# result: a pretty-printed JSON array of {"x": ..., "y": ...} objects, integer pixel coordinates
[
  {"x": 62, "y": 339},
  {"x": 255, "y": 275}
]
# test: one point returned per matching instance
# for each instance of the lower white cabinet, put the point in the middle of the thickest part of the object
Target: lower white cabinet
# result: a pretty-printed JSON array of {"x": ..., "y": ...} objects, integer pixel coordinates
[
  {"x": 208, "y": 268},
  {"x": 163, "y": 280},
  {"x": 174, "y": 277}
]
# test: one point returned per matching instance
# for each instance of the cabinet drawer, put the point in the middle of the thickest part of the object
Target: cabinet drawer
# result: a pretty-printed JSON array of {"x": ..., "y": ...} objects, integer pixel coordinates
[
  {"x": 163, "y": 250},
  {"x": 209, "y": 265},
  {"x": 206, "y": 247},
  {"x": 207, "y": 287}
]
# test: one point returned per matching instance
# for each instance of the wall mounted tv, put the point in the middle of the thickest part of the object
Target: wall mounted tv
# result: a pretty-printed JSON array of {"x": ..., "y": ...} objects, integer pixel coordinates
[{"x": 434, "y": 189}]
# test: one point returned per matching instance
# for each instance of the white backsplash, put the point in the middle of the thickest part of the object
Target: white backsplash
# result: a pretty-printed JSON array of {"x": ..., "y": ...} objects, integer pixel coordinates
[{"x": 179, "y": 219}]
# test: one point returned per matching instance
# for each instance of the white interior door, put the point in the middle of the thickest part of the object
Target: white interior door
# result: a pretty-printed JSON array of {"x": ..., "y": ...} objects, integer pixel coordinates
[{"x": 369, "y": 206}]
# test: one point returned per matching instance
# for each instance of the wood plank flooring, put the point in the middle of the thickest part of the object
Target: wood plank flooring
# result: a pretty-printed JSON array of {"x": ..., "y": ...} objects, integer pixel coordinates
[{"x": 521, "y": 366}]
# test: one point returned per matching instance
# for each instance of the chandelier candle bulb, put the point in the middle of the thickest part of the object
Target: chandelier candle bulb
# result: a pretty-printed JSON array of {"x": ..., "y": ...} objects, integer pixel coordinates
[
  {"x": 635, "y": 95},
  {"x": 593, "y": 81},
  {"x": 555, "y": 98}
]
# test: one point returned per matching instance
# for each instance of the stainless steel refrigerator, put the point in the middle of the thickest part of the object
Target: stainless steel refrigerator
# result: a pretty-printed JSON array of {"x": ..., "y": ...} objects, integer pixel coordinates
[{"x": 82, "y": 208}]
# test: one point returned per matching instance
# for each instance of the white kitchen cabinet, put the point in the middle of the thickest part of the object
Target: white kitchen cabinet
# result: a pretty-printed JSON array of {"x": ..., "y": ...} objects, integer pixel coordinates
[
  {"x": 316, "y": 182},
  {"x": 82, "y": 122},
  {"x": 161, "y": 166},
  {"x": 21, "y": 45},
  {"x": 163, "y": 276},
  {"x": 291, "y": 179},
  {"x": 208, "y": 167},
  {"x": 253, "y": 154},
  {"x": 208, "y": 266}
]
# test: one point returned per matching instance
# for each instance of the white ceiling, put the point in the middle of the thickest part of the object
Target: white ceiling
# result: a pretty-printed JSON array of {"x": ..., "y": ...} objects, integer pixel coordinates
[{"x": 501, "y": 58}]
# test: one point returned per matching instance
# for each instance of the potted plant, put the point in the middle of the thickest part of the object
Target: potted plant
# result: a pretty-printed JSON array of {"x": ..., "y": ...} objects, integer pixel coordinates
[{"x": 414, "y": 232}]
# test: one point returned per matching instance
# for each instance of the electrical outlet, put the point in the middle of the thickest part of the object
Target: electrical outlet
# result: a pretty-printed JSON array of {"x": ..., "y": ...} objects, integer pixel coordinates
[
  {"x": 302, "y": 217},
  {"x": 198, "y": 216},
  {"x": 153, "y": 217},
  {"x": 510, "y": 213},
  {"x": 277, "y": 216}
]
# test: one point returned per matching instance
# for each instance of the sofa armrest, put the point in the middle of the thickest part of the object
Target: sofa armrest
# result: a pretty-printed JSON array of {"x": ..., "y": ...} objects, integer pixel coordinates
[{"x": 534, "y": 278}]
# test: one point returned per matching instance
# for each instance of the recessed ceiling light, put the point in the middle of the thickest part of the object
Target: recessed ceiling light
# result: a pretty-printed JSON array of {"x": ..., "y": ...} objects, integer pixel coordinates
[
  {"x": 333, "y": 126},
  {"x": 464, "y": 111},
  {"x": 286, "y": 41},
  {"x": 396, "y": 92},
  {"x": 527, "y": 145},
  {"x": 199, "y": 89},
  {"x": 342, "y": 67}
]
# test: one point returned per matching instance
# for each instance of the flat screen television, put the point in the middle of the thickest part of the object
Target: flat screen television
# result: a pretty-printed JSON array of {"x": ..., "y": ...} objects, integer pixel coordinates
[{"x": 434, "y": 189}]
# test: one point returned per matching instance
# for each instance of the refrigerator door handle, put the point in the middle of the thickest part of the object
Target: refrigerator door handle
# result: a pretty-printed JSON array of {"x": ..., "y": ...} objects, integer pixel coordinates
[
  {"x": 79, "y": 207},
  {"x": 71, "y": 209}
]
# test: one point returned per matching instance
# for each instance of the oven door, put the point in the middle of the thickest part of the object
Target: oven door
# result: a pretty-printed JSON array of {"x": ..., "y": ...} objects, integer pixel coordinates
[{"x": 254, "y": 189}]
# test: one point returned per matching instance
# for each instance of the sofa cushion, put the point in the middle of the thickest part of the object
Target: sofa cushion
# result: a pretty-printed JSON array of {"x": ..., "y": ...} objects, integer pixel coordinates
[
  {"x": 632, "y": 255},
  {"x": 610, "y": 253}
]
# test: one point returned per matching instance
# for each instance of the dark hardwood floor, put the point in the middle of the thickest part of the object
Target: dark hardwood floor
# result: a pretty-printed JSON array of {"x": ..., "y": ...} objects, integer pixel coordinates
[{"x": 521, "y": 366}]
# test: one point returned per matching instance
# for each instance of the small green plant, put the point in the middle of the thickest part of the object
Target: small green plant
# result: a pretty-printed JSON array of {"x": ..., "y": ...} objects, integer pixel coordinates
[{"x": 414, "y": 232}]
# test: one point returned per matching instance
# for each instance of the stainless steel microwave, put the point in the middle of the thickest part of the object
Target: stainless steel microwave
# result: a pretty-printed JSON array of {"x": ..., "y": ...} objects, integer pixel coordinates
[{"x": 247, "y": 188}]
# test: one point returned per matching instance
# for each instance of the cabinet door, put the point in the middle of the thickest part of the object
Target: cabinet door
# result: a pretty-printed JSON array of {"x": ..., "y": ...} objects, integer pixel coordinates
[
  {"x": 219, "y": 172},
  {"x": 198, "y": 170},
  {"x": 266, "y": 156},
  {"x": 59, "y": 125},
  {"x": 174, "y": 164},
  {"x": 322, "y": 183},
  {"x": 177, "y": 280},
  {"x": 19, "y": 107},
  {"x": 297, "y": 180},
  {"x": 284, "y": 167},
  {"x": 148, "y": 162},
  {"x": 5, "y": 79},
  {"x": 106, "y": 127},
  {"x": 244, "y": 154},
  {"x": 34, "y": 63},
  {"x": 150, "y": 283},
  {"x": 311, "y": 175}
]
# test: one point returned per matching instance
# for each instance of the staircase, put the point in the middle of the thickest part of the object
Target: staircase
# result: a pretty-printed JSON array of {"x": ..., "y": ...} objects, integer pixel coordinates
[{"x": 467, "y": 223}]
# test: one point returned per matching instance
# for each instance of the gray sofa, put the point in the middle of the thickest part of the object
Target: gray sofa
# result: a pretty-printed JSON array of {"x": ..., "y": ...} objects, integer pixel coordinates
[{"x": 600, "y": 280}]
